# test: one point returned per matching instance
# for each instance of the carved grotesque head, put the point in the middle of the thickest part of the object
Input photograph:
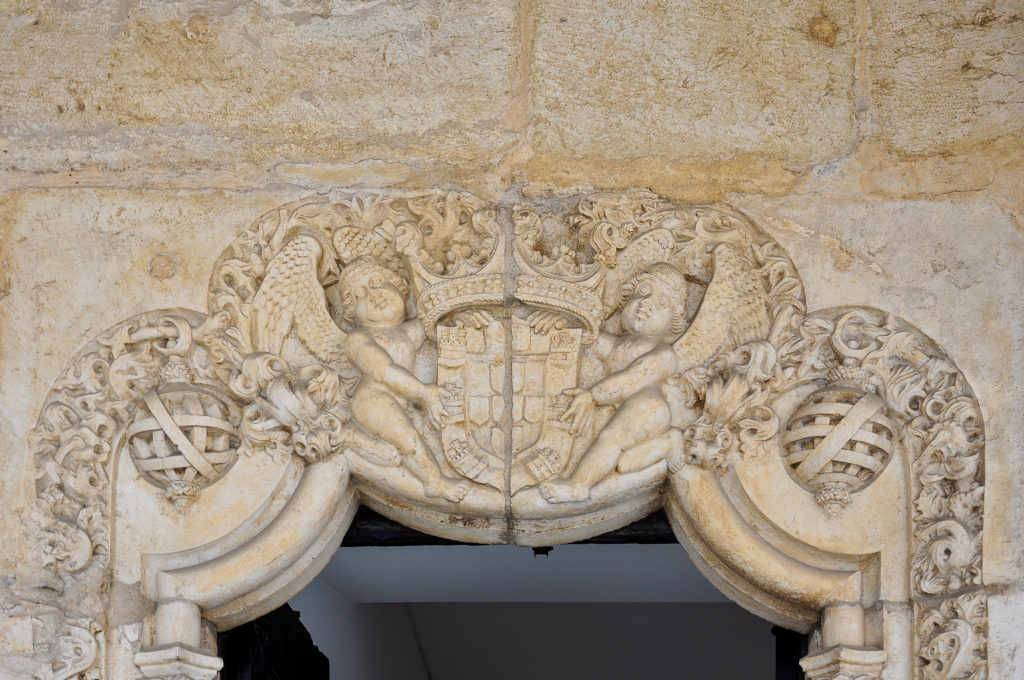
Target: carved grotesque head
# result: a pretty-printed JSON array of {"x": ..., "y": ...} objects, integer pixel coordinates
[
  {"x": 372, "y": 294},
  {"x": 707, "y": 444},
  {"x": 655, "y": 301}
]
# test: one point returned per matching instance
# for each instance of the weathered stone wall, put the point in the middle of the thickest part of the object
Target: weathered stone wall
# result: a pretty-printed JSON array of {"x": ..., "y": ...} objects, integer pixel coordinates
[{"x": 881, "y": 143}]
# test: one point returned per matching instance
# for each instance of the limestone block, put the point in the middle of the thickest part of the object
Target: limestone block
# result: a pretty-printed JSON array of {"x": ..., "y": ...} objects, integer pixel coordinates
[
  {"x": 696, "y": 82},
  {"x": 185, "y": 86},
  {"x": 100, "y": 256},
  {"x": 954, "y": 269},
  {"x": 1006, "y": 620},
  {"x": 945, "y": 77}
]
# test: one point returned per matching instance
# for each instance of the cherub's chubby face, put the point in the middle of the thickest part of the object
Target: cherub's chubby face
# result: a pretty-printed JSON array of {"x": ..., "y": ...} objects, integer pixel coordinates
[
  {"x": 379, "y": 302},
  {"x": 648, "y": 310}
]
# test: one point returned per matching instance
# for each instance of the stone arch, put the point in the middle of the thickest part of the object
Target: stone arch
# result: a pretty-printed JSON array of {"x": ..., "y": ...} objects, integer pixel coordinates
[{"x": 247, "y": 515}]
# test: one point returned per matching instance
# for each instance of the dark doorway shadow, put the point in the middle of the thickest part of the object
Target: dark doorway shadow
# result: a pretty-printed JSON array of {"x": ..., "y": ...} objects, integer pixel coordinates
[
  {"x": 273, "y": 647},
  {"x": 278, "y": 647}
]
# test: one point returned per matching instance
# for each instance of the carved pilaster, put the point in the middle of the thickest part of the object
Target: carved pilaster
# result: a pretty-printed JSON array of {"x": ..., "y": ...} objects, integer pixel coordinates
[{"x": 844, "y": 663}]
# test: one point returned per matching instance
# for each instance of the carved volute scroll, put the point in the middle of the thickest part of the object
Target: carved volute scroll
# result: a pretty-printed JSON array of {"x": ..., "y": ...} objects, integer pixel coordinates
[
  {"x": 528, "y": 373},
  {"x": 917, "y": 403}
]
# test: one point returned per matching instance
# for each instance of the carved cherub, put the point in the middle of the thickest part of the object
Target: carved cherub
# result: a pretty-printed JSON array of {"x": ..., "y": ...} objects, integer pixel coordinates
[
  {"x": 383, "y": 347},
  {"x": 639, "y": 360},
  {"x": 651, "y": 355}
]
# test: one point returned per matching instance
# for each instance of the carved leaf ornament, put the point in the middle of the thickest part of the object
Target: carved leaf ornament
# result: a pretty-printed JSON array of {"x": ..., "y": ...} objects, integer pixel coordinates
[{"x": 490, "y": 361}]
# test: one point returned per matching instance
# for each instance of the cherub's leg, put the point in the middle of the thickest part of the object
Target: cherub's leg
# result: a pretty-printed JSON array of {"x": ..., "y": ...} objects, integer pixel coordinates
[
  {"x": 652, "y": 451},
  {"x": 380, "y": 414},
  {"x": 641, "y": 417}
]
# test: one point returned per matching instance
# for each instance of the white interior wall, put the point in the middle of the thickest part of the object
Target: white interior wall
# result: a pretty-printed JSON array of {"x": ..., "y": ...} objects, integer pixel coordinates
[
  {"x": 361, "y": 641},
  {"x": 499, "y": 612}
]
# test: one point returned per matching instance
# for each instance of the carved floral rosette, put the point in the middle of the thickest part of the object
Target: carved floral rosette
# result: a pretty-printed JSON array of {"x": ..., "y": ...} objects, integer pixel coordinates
[{"x": 498, "y": 312}]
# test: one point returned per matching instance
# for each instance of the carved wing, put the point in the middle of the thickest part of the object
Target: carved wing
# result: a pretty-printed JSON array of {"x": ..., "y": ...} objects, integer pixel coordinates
[
  {"x": 291, "y": 297},
  {"x": 734, "y": 310},
  {"x": 654, "y": 246}
]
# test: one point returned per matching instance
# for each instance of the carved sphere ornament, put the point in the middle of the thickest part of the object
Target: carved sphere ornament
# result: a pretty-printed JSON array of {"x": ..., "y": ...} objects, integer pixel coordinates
[
  {"x": 182, "y": 439},
  {"x": 531, "y": 373},
  {"x": 837, "y": 442}
]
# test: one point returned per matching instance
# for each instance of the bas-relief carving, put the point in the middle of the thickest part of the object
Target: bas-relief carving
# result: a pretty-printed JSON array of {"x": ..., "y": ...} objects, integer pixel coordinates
[
  {"x": 918, "y": 400},
  {"x": 534, "y": 362},
  {"x": 42, "y": 642},
  {"x": 102, "y": 401},
  {"x": 491, "y": 362}
]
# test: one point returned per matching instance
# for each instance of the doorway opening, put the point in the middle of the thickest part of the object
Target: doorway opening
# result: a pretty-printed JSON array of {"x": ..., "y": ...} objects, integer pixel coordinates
[{"x": 397, "y": 603}]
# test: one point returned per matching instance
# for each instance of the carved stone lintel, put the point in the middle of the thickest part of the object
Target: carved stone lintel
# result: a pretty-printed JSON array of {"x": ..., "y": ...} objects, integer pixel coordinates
[
  {"x": 611, "y": 344},
  {"x": 845, "y": 663},
  {"x": 178, "y": 662}
]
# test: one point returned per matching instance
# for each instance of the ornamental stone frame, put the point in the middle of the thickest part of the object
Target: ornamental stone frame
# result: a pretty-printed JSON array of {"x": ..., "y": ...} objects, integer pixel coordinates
[{"x": 527, "y": 370}]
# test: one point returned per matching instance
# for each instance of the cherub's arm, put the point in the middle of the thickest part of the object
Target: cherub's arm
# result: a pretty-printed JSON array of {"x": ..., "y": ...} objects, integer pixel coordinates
[
  {"x": 650, "y": 368},
  {"x": 414, "y": 329},
  {"x": 604, "y": 345},
  {"x": 373, "y": 361}
]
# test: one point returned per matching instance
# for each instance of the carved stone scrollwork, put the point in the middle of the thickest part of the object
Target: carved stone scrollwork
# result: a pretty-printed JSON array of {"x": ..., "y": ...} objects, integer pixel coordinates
[
  {"x": 952, "y": 635},
  {"x": 43, "y": 642},
  {"x": 155, "y": 386},
  {"x": 112, "y": 389},
  {"x": 78, "y": 649},
  {"x": 506, "y": 373},
  {"x": 932, "y": 414}
]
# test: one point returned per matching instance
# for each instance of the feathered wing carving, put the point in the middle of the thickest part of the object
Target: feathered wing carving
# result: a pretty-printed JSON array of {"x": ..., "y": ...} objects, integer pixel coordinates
[
  {"x": 291, "y": 297},
  {"x": 734, "y": 310},
  {"x": 653, "y": 246}
]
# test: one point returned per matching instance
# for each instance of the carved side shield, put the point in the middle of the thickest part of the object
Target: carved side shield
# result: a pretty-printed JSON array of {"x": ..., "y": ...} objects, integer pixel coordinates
[
  {"x": 543, "y": 365},
  {"x": 471, "y": 366}
]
